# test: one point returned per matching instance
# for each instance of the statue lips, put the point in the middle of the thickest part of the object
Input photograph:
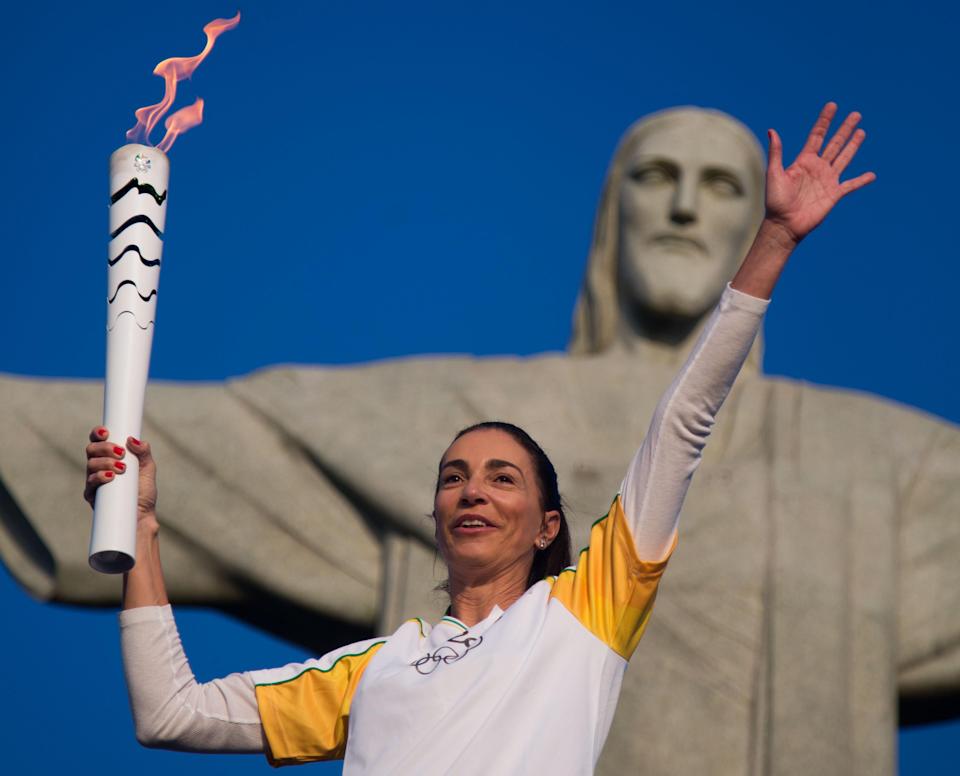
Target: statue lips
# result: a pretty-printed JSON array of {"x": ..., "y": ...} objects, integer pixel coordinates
[{"x": 680, "y": 242}]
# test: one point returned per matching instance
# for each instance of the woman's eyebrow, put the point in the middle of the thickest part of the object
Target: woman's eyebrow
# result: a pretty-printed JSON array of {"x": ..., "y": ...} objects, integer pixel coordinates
[
  {"x": 497, "y": 463},
  {"x": 457, "y": 462}
]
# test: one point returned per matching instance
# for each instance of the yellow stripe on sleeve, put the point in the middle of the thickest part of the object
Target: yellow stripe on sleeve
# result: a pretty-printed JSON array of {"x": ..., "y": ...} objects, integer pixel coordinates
[
  {"x": 305, "y": 718},
  {"x": 611, "y": 591}
]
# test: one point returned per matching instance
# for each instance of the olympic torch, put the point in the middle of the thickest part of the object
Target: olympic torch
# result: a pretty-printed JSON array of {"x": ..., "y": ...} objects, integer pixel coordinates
[
  {"x": 139, "y": 174},
  {"x": 138, "y": 210}
]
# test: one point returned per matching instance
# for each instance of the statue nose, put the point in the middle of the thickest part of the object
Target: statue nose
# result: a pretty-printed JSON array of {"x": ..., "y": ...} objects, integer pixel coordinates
[{"x": 683, "y": 207}]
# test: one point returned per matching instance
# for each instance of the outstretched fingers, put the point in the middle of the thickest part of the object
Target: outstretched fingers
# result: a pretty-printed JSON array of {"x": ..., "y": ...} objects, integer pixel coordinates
[
  {"x": 856, "y": 183},
  {"x": 839, "y": 140},
  {"x": 819, "y": 132},
  {"x": 841, "y": 149},
  {"x": 849, "y": 151},
  {"x": 845, "y": 156}
]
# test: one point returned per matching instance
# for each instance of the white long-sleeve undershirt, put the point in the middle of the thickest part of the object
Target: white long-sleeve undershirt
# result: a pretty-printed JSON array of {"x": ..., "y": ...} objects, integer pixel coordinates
[
  {"x": 172, "y": 710},
  {"x": 659, "y": 475}
]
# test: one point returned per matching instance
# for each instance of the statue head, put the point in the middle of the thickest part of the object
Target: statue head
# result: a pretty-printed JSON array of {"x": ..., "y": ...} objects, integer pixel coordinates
[{"x": 681, "y": 203}]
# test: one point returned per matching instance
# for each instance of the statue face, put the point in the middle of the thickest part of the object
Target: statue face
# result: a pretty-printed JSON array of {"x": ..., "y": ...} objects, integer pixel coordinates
[{"x": 687, "y": 203}]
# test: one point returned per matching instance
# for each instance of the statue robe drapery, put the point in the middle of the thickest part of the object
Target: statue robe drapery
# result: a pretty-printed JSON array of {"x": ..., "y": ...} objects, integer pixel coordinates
[{"x": 815, "y": 580}]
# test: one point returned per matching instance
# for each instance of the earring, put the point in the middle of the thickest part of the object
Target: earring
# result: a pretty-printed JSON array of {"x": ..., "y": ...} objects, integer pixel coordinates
[{"x": 543, "y": 543}]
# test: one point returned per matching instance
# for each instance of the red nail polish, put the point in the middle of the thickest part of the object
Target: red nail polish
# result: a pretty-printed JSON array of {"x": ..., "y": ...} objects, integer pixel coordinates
[
  {"x": 108, "y": 475},
  {"x": 117, "y": 450},
  {"x": 120, "y": 465},
  {"x": 101, "y": 431},
  {"x": 136, "y": 441}
]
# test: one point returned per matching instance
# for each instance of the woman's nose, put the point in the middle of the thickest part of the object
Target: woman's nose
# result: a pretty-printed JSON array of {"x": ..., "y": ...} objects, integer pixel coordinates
[
  {"x": 683, "y": 206},
  {"x": 473, "y": 491}
]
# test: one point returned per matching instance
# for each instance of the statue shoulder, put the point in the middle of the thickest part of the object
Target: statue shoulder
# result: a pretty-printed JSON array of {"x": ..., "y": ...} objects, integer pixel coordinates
[{"x": 861, "y": 418}]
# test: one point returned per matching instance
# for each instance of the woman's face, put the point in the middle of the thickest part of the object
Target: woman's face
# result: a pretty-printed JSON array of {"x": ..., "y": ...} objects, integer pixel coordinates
[{"x": 488, "y": 513}]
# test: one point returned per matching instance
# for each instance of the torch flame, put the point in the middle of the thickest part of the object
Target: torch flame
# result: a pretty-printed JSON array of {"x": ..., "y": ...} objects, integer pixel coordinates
[
  {"x": 180, "y": 122},
  {"x": 172, "y": 71}
]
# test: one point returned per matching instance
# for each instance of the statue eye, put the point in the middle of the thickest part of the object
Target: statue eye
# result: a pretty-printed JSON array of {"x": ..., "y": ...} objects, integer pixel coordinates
[
  {"x": 723, "y": 183},
  {"x": 652, "y": 174}
]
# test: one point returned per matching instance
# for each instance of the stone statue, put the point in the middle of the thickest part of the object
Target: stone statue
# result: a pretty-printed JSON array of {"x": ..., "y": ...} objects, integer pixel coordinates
[{"x": 816, "y": 579}]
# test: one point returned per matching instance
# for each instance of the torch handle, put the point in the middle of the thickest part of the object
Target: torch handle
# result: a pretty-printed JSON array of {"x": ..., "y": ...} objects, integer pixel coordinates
[{"x": 113, "y": 541}]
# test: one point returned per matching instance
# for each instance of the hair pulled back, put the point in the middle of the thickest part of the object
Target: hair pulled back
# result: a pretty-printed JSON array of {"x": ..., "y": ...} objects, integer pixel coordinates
[{"x": 555, "y": 557}]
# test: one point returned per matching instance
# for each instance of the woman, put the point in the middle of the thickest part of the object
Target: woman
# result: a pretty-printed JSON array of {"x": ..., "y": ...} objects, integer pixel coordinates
[{"x": 524, "y": 672}]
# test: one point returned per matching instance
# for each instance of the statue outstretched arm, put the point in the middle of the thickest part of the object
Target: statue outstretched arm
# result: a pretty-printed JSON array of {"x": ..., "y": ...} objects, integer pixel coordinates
[
  {"x": 250, "y": 525},
  {"x": 929, "y": 579}
]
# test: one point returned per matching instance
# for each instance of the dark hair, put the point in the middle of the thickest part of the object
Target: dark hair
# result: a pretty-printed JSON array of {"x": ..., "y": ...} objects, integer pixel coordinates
[{"x": 555, "y": 557}]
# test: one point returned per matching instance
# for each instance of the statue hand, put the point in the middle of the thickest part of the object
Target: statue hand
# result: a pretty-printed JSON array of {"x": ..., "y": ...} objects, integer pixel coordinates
[{"x": 800, "y": 196}]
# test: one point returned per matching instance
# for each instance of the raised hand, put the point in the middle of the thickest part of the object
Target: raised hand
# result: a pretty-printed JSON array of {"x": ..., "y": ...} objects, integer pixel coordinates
[{"x": 800, "y": 196}]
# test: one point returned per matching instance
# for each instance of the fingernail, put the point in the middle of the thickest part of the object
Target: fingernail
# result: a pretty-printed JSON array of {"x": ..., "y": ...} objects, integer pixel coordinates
[
  {"x": 108, "y": 475},
  {"x": 136, "y": 441},
  {"x": 117, "y": 450},
  {"x": 120, "y": 465},
  {"x": 101, "y": 431}
]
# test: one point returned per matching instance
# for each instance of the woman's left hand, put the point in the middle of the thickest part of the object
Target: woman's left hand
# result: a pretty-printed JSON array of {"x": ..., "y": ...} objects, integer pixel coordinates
[{"x": 800, "y": 196}]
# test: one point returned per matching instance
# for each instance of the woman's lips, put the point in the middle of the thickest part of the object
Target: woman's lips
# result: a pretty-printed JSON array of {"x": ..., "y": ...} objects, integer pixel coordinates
[
  {"x": 472, "y": 524},
  {"x": 473, "y": 530}
]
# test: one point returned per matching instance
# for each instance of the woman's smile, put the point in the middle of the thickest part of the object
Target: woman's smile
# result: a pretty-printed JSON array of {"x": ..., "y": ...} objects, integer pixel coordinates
[{"x": 472, "y": 524}]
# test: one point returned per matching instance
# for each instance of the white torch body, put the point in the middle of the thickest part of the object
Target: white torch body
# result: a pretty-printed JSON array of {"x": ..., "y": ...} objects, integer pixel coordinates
[{"x": 138, "y": 206}]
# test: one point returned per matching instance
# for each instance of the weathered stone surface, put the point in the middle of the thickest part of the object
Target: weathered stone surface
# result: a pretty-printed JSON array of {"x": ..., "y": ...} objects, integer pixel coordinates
[
  {"x": 815, "y": 582},
  {"x": 240, "y": 519}
]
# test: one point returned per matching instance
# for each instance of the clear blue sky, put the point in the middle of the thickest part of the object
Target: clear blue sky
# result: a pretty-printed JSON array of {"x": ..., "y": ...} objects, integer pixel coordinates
[{"x": 364, "y": 168}]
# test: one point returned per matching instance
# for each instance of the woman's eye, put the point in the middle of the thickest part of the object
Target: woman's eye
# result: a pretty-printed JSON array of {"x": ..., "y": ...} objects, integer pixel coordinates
[
  {"x": 451, "y": 479},
  {"x": 506, "y": 478}
]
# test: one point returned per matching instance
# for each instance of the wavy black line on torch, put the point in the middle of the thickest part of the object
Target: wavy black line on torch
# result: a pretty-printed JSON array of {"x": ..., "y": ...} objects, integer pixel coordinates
[
  {"x": 138, "y": 219},
  {"x": 142, "y": 188},
  {"x": 129, "y": 312},
  {"x": 125, "y": 251},
  {"x": 146, "y": 298}
]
